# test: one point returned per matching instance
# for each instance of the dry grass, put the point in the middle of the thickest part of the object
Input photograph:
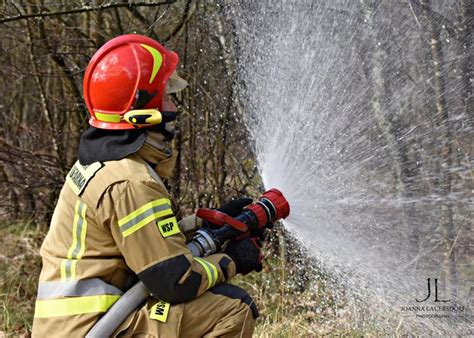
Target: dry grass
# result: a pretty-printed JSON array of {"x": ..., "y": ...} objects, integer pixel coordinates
[
  {"x": 316, "y": 309},
  {"x": 292, "y": 301},
  {"x": 19, "y": 271},
  {"x": 295, "y": 298}
]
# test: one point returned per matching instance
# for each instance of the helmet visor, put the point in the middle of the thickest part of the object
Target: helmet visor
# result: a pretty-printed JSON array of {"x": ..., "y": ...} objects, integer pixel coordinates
[{"x": 175, "y": 83}]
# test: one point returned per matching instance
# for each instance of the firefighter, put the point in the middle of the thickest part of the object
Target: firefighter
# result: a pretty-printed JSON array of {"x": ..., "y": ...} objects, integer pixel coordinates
[{"x": 114, "y": 221}]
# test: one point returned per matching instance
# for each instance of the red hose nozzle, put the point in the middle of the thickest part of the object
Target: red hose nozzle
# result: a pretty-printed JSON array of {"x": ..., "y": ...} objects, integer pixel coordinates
[
  {"x": 279, "y": 201},
  {"x": 271, "y": 207}
]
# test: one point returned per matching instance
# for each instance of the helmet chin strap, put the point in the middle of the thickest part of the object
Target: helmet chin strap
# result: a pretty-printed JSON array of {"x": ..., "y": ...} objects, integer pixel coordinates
[
  {"x": 166, "y": 128},
  {"x": 168, "y": 116},
  {"x": 160, "y": 136}
]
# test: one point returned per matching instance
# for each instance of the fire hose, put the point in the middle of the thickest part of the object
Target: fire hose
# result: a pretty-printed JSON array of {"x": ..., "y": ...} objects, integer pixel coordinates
[{"x": 269, "y": 208}]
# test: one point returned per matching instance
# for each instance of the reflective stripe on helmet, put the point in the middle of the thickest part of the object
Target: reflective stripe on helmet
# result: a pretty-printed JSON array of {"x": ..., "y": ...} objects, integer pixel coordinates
[
  {"x": 137, "y": 117},
  {"x": 144, "y": 215},
  {"x": 210, "y": 269},
  {"x": 114, "y": 118},
  {"x": 76, "y": 288},
  {"x": 157, "y": 60},
  {"x": 74, "y": 306}
]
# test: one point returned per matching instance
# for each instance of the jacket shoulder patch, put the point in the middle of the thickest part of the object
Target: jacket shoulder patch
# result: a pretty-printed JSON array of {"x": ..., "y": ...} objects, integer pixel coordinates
[
  {"x": 80, "y": 175},
  {"x": 168, "y": 227}
]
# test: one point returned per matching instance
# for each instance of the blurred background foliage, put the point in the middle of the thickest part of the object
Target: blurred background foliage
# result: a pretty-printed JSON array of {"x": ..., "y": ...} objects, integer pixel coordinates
[
  {"x": 45, "y": 48},
  {"x": 43, "y": 60}
]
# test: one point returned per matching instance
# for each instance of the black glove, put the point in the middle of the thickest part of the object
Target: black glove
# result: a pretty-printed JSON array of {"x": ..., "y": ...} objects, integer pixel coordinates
[
  {"x": 234, "y": 207},
  {"x": 246, "y": 255}
]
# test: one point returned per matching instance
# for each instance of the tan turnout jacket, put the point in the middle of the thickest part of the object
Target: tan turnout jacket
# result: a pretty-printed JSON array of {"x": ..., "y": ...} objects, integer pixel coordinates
[{"x": 113, "y": 222}]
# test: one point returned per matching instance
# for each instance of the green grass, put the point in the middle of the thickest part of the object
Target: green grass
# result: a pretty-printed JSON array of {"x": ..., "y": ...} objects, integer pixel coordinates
[{"x": 293, "y": 300}]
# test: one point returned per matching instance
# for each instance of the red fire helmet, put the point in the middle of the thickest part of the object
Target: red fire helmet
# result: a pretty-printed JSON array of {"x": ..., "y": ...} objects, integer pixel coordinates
[{"x": 127, "y": 75}]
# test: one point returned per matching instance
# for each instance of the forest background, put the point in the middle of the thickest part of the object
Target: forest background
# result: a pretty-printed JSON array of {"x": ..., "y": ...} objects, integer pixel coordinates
[{"x": 46, "y": 46}]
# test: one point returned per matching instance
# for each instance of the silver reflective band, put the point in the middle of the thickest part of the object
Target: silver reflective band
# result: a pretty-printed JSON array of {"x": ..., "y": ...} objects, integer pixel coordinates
[
  {"x": 68, "y": 269},
  {"x": 76, "y": 288}
]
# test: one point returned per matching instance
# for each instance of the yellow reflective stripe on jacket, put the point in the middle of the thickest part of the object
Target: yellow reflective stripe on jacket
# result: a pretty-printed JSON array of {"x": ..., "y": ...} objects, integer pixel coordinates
[
  {"x": 144, "y": 215},
  {"x": 74, "y": 306},
  {"x": 68, "y": 269},
  {"x": 210, "y": 269},
  {"x": 78, "y": 246},
  {"x": 78, "y": 232}
]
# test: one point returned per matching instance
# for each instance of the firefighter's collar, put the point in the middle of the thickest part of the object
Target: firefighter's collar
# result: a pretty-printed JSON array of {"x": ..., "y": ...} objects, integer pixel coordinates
[{"x": 159, "y": 155}]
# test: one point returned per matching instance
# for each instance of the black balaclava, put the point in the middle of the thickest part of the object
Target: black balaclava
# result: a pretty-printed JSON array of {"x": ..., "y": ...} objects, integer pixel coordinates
[
  {"x": 100, "y": 145},
  {"x": 108, "y": 145}
]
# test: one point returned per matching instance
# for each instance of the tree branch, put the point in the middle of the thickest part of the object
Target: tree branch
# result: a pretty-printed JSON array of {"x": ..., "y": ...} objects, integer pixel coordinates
[
  {"x": 184, "y": 19},
  {"x": 83, "y": 10}
]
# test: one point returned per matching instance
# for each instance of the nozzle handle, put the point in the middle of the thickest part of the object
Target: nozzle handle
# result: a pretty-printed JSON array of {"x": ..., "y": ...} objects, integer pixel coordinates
[{"x": 219, "y": 218}]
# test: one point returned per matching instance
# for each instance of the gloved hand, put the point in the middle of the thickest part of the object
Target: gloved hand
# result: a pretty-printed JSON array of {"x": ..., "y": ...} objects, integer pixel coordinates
[
  {"x": 235, "y": 206},
  {"x": 260, "y": 233},
  {"x": 246, "y": 255},
  {"x": 232, "y": 208}
]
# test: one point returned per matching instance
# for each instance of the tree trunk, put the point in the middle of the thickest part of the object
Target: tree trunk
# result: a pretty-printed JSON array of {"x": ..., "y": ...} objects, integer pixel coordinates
[
  {"x": 466, "y": 19},
  {"x": 445, "y": 142}
]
